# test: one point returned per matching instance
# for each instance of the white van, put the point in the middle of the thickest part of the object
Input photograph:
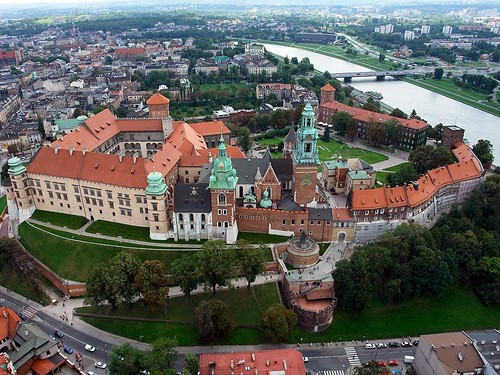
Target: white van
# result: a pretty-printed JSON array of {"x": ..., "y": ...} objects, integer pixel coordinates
[{"x": 408, "y": 359}]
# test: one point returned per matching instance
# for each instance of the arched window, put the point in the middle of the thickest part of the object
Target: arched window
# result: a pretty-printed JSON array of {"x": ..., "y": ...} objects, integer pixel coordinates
[
  {"x": 219, "y": 223},
  {"x": 226, "y": 224},
  {"x": 241, "y": 191},
  {"x": 203, "y": 218},
  {"x": 221, "y": 200},
  {"x": 181, "y": 218},
  {"x": 191, "y": 217}
]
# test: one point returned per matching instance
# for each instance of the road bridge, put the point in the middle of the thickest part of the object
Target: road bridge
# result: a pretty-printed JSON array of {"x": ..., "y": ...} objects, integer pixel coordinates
[{"x": 380, "y": 75}]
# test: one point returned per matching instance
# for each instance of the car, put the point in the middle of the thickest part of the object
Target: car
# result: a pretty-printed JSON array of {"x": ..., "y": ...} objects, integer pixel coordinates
[
  {"x": 370, "y": 346},
  {"x": 23, "y": 316},
  {"x": 305, "y": 359},
  {"x": 68, "y": 350},
  {"x": 59, "y": 344},
  {"x": 406, "y": 344},
  {"x": 100, "y": 365},
  {"x": 392, "y": 362},
  {"x": 59, "y": 334},
  {"x": 89, "y": 348},
  {"x": 53, "y": 337},
  {"x": 79, "y": 357},
  {"x": 381, "y": 364},
  {"x": 483, "y": 342},
  {"x": 393, "y": 344},
  {"x": 416, "y": 342},
  {"x": 381, "y": 345},
  {"x": 91, "y": 373}
]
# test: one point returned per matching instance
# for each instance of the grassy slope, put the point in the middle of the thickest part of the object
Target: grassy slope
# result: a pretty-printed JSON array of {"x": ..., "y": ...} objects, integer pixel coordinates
[{"x": 61, "y": 220}]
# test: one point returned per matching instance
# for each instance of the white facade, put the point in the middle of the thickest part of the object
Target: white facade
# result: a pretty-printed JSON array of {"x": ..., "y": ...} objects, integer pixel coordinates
[
  {"x": 447, "y": 30},
  {"x": 426, "y": 29}
]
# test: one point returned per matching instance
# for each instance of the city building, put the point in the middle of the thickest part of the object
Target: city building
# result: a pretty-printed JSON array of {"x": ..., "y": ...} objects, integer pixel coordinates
[
  {"x": 409, "y": 35},
  {"x": 447, "y": 30},
  {"x": 281, "y": 90},
  {"x": 447, "y": 354},
  {"x": 451, "y": 135},
  {"x": 272, "y": 362},
  {"x": 254, "y": 48},
  {"x": 426, "y": 29}
]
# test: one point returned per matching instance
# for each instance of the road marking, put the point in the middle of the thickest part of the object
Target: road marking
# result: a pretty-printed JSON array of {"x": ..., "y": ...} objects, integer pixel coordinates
[
  {"x": 352, "y": 356},
  {"x": 30, "y": 312},
  {"x": 331, "y": 372}
]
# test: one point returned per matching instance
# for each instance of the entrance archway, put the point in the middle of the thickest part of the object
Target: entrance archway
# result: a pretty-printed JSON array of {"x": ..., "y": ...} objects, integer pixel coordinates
[{"x": 341, "y": 237}]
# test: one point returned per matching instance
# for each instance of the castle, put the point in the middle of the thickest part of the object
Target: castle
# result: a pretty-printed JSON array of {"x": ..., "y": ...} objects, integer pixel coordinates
[{"x": 183, "y": 181}]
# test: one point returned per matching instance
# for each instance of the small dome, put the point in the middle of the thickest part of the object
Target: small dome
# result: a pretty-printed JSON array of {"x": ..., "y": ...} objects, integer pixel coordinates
[
  {"x": 82, "y": 118},
  {"x": 155, "y": 178},
  {"x": 14, "y": 162}
]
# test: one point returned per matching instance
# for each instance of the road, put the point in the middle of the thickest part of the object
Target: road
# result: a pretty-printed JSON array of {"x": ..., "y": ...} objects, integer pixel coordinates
[{"x": 73, "y": 338}]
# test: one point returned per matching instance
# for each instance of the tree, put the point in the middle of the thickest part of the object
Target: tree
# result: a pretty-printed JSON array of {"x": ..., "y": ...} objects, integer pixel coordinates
[
  {"x": 192, "y": 364},
  {"x": 426, "y": 157},
  {"x": 326, "y": 135},
  {"x": 12, "y": 149},
  {"x": 392, "y": 131},
  {"x": 372, "y": 368},
  {"x": 41, "y": 128},
  {"x": 286, "y": 60},
  {"x": 150, "y": 280},
  {"x": 404, "y": 175},
  {"x": 214, "y": 321},
  {"x": 396, "y": 112},
  {"x": 376, "y": 133},
  {"x": 97, "y": 109},
  {"x": 244, "y": 139},
  {"x": 340, "y": 122},
  {"x": 484, "y": 151},
  {"x": 126, "y": 360},
  {"x": 381, "y": 58},
  {"x": 163, "y": 355},
  {"x": 5, "y": 171},
  {"x": 438, "y": 73},
  {"x": 295, "y": 61},
  {"x": 277, "y": 323},
  {"x": 250, "y": 260},
  {"x": 487, "y": 280},
  {"x": 77, "y": 113},
  {"x": 214, "y": 263},
  {"x": 183, "y": 271},
  {"x": 352, "y": 129}
]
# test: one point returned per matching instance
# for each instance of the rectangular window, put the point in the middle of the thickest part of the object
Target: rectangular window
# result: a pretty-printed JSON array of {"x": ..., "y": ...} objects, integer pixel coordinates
[
  {"x": 50, "y": 195},
  {"x": 293, "y": 222},
  {"x": 47, "y": 184},
  {"x": 94, "y": 202},
  {"x": 63, "y": 187},
  {"x": 155, "y": 206},
  {"x": 283, "y": 222},
  {"x": 156, "y": 217},
  {"x": 87, "y": 200},
  {"x": 78, "y": 200},
  {"x": 111, "y": 204},
  {"x": 302, "y": 222},
  {"x": 75, "y": 188},
  {"x": 110, "y": 194},
  {"x": 138, "y": 199}
]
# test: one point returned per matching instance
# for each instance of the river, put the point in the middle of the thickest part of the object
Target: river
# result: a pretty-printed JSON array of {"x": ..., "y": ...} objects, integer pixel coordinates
[{"x": 432, "y": 107}]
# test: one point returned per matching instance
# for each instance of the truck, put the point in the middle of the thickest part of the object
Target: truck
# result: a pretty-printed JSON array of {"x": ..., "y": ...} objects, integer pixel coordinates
[{"x": 408, "y": 359}]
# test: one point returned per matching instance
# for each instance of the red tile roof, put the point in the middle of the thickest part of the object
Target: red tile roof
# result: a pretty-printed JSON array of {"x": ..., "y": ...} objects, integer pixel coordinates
[
  {"x": 130, "y": 51},
  {"x": 157, "y": 99},
  {"x": 396, "y": 196},
  {"x": 342, "y": 214},
  {"x": 418, "y": 194},
  {"x": 370, "y": 199},
  {"x": 367, "y": 116},
  {"x": 8, "y": 326},
  {"x": 328, "y": 87},
  {"x": 144, "y": 124},
  {"x": 278, "y": 361},
  {"x": 210, "y": 128}
]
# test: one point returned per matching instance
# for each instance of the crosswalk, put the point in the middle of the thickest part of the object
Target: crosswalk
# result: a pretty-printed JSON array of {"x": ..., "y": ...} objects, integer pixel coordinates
[
  {"x": 29, "y": 312},
  {"x": 352, "y": 356},
  {"x": 332, "y": 372}
]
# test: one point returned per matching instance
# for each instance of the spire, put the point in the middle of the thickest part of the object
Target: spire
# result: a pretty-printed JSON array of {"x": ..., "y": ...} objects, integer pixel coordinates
[
  {"x": 258, "y": 175},
  {"x": 222, "y": 146}
]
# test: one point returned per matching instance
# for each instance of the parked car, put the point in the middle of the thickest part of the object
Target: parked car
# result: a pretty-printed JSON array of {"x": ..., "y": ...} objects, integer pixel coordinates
[
  {"x": 381, "y": 345},
  {"x": 68, "y": 350},
  {"x": 59, "y": 334},
  {"x": 370, "y": 346},
  {"x": 393, "y": 344},
  {"x": 392, "y": 362},
  {"x": 305, "y": 359},
  {"x": 406, "y": 344},
  {"x": 100, "y": 365},
  {"x": 381, "y": 364},
  {"x": 53, "y": 337},
  {"x": 91, "y": 373},
  {"x": 89, "y": 348},
  {"x": 79, "y": 357},
  {"x": 416, "y": 342},
  {"x": 23, "y": 316}
]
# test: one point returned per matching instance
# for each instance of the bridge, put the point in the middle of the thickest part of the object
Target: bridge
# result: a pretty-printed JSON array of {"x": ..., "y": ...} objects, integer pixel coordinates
[{"x": 379, "y": 75}]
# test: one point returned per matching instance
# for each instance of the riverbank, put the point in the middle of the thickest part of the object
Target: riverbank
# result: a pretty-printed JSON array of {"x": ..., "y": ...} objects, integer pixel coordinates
[{"x": 459, "y": 95}]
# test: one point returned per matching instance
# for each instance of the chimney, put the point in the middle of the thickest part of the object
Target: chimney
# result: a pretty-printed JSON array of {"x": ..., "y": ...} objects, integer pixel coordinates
[
  {"x": 415, "y": 186},
  {"x": 84, "y": 150},
  {"x": 284, "y": 364},
  {"x": 71, "y": 149},
  {"x": 56, "y": 149},
  {"x": 135, "y": 156}
]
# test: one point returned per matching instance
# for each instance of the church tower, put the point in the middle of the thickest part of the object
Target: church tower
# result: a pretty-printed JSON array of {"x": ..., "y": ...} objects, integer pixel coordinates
[
  {"x": 19, "y": 198},
  {"x": 305, "y": 159},
  {"x": 156, "y": 193},
  {"x": 159, "y": 107},
  {"x": 222, "y": 185}
]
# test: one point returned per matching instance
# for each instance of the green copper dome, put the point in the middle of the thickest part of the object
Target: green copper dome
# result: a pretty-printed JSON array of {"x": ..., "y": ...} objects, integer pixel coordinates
[
  {"x": 156, "y": 184},
  {"x": 265, "y": 202},
  {"x": 15, "y": 166},
  {"x": 304, "y": 150}
]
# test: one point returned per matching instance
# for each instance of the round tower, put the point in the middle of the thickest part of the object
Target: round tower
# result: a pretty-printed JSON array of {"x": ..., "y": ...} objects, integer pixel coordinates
[
  {"x": 20, "y": 195},
  {"x": 156, "y": 193}
]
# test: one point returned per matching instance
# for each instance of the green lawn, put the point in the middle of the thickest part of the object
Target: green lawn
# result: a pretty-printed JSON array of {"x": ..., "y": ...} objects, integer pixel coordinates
[
  {"x": 396, "y": 168},
  {"x": 262, "y": 238},
  {"x": 3, "y": 203},
  {"x": 264, "y": 142},
  {"x": 459, "y": 309},
  {"x": 323, "y": 247},
  {"x": 334, "y": 149},
  {"x": 382, "y": 176},
  {"x": 12, "y": 281},
  {"x": 245, "y": 306},
  {"x": 61, "y": 220},
  {"x": 130, "y": 232},
  {"x": 73, "y": 260}
]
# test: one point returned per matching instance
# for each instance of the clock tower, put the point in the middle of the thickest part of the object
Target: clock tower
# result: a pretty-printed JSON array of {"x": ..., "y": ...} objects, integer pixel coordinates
[{"x": 305, "y": 159}]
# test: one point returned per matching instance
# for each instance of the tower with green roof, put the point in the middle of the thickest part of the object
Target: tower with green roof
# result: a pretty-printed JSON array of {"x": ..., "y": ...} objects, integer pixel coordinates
[
  {"x": 305, "y": 159},
  {"x": 156, "y": 193},
  {"x": 19, "y": 199},
  {"x": 222, "y": 185}
]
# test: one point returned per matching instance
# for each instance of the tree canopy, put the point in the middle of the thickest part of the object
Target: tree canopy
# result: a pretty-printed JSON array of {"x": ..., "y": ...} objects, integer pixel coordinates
[
  {"x": 214, "y": 263},
  {"x": 484, "y": 151},
  {"x": 214, "y": 321},
  {"x": 277, "y": 323},
  {"x": 340, "y": 122},
  {"x": 427, "y": 157}
]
